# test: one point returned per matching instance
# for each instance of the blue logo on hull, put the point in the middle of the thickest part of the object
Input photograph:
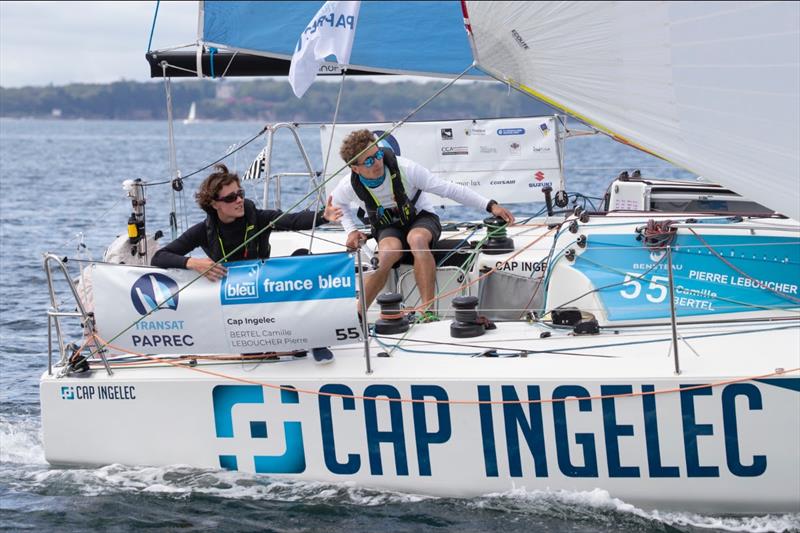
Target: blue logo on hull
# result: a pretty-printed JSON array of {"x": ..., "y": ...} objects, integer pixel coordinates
[{"x": 292, "y": 461}]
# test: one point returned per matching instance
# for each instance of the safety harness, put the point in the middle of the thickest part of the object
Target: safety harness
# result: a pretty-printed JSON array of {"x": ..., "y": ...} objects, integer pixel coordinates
[
  {"x": 257, "y": 248},
  {"x": 378, "y": 216}
]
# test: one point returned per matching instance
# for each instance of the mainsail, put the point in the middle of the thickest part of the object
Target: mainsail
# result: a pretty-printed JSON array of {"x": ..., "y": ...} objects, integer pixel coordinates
[
  {"x": 422, "y": 38},
  {"x": 713, "y": 87}
]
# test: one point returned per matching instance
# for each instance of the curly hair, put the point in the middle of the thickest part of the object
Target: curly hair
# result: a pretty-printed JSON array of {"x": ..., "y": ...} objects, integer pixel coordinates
[
  {"x": 355, "y": 143},
  {"x": 211, "y": 186}
]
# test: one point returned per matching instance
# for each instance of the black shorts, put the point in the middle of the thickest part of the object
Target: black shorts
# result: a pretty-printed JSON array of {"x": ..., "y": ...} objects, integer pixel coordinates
[{"x": 424, "y": 219}]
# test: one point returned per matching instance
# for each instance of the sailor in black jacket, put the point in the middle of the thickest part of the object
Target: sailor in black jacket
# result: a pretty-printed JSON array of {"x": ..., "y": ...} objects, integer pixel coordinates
[{"x": 230, "y": 221}]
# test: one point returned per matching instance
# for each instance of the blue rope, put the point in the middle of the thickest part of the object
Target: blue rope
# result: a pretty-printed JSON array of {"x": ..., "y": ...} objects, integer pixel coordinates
[
  {"x": 212, "y": 51},
  {"x": 153, "y": 28}
]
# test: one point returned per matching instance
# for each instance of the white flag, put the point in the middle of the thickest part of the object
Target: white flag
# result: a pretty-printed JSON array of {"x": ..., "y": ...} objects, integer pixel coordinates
[{"x": 330, "y": 32}]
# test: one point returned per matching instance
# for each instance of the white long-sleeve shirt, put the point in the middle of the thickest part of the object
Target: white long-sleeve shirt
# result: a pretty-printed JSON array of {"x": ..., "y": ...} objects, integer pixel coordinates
[{"x": 417, "y": 178}]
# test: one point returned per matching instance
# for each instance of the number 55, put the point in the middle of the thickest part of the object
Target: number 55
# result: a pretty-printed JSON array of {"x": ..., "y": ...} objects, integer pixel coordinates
[{"x": 351, "y": 333}]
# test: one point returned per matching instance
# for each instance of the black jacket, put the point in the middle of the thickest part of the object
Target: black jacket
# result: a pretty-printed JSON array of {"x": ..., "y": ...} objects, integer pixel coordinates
[{"x": 208, "y": 234}]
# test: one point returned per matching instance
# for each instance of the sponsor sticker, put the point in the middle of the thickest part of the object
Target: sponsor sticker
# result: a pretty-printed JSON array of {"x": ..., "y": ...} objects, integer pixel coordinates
[{"x": 455, "y": 150}]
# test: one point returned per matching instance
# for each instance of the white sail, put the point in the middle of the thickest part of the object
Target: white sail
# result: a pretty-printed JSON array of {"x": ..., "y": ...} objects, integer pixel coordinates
[
  {"x": 713, "y": 87},
  {"x": 191, "y": 118}
]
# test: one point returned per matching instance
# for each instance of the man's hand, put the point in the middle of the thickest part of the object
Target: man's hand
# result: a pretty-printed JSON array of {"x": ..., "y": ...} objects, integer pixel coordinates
[
  {"x": 500, "y": 211},
  {"x": 354, "y": 240},
  {"x": 201, "y": 264},
  {"x": 332, "y": 213}
]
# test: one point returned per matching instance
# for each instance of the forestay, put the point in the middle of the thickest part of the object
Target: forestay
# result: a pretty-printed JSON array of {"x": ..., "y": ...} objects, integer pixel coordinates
[{"x": 713, "y": 87}]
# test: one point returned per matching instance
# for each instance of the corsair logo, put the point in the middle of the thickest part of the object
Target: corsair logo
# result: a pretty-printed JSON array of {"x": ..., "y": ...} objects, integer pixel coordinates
[{"x": 154, "y": 291}]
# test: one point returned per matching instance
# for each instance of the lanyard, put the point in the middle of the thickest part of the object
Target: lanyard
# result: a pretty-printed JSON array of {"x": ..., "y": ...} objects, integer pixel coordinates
[{"x": 222, "y": 246}]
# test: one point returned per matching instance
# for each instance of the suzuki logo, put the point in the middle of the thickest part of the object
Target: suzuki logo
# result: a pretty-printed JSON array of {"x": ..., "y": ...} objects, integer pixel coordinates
[{"x": 539, "y": 175}]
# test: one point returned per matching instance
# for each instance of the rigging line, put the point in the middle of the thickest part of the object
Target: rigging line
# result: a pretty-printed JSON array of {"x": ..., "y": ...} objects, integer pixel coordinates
[
  {"x": 230, "y": 62},
  {"x": 153, "y": 27},
  {"x": 476, "y": 280},
  {"x": 462, "y": 272},
  {"x": 760, "y": 283},
  {"x": 318, "y": 393},
  {"x": 490, "y": 271},
  {"x": 679, "y": 248},
  {"x": 735, "y": 303},
  {"x": 253, "y": 138},
  {"x": 623, "y": 282},
  {"x": 96, "y": 220},
  {"x": 512, "y": 352},
  {"x": 166, "y": 65},
  {"x": 563, "y": 351},
  {"x": 328, "y": 154}
]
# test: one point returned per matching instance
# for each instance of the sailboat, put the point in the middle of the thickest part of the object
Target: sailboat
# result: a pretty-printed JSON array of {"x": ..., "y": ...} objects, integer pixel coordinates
[
  {"x": 656, "y": 349},
  {"x": 191, "y": 118}
]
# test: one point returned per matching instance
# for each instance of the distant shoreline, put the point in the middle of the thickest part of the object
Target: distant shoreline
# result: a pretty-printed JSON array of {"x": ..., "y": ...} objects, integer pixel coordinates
[{"x": 265, "y": 101}]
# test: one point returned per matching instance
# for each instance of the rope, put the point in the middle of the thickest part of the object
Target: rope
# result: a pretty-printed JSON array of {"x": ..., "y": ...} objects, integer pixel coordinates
[
  {"x": 760, "y": 283},
  {"x": 153, "y": 27},
  {"x": 318, "y": 393},
  {"x": 328, "y": 154},
  {"x": 253, "y": 138}
]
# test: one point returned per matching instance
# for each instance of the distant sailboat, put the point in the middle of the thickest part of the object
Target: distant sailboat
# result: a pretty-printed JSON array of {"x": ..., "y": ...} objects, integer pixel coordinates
[{"x": 192, "y": 117}]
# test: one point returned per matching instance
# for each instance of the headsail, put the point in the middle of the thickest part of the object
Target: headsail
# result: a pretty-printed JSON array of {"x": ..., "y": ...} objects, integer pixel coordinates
[{"x": 713, "y": 87}]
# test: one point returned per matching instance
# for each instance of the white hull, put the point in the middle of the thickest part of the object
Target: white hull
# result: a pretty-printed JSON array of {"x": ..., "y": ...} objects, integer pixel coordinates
[{"x": 728, "y": 447}]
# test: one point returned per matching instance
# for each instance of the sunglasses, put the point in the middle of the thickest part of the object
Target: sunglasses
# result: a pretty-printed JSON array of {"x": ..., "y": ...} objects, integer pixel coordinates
[
  {"x": 230, "y": 198},
  {"x": 368, "y": 162}
]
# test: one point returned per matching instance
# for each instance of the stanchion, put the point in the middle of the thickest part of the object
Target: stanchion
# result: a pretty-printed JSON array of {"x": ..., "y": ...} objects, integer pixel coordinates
[
  {"x": 672, "y": 311},
  {"x": 363, "y": 302}
]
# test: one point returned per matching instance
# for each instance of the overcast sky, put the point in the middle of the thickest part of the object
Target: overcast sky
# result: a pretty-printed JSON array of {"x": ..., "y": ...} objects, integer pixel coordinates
[
  {"x": 58, "y": 43},
  {"x": 65, "y": 42}
]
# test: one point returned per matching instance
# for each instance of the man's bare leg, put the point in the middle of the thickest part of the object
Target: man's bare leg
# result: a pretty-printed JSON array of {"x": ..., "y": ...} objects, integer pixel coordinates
[
  {"x": 419, "y": 239},
  {"x": 390, "y": 251}
]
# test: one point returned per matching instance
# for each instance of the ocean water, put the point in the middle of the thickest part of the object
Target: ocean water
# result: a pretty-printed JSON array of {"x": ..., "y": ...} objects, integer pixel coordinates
[{"x": 60, "y": 192}]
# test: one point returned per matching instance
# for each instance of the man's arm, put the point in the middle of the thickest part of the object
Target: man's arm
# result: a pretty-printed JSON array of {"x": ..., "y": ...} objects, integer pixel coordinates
[
  {"x": 174, "y": 254},
  {"x": 421, "y": 178},
  {"x": 343, "y": 197},
  {"x": 302, "y": 219}
]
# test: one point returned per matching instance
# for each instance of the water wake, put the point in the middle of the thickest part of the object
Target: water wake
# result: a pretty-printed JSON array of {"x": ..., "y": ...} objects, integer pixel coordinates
[{"x": 25, "y": 471}]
